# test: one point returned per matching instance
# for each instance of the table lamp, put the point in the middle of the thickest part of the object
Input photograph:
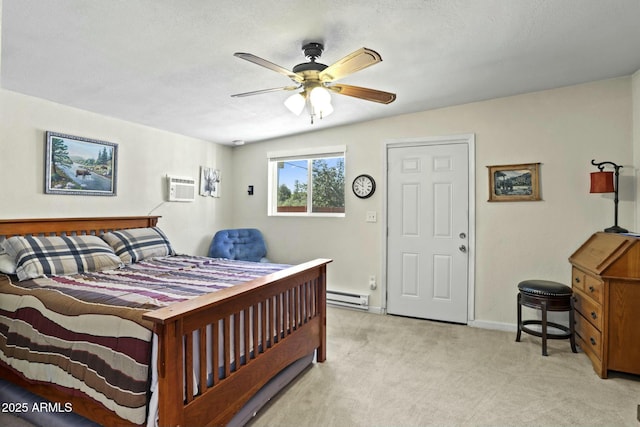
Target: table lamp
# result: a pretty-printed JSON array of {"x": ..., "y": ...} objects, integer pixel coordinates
[{"x": 603, "y": 182}]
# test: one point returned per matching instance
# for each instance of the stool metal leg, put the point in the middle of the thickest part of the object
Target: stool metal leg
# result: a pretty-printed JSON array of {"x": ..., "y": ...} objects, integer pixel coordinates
[
  {"x": 544, "y": 328},
  {"x": 519, "y": 318}
]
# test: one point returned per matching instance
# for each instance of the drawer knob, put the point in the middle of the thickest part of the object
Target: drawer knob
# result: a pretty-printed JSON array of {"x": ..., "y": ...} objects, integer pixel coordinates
[
  {"x": 591, "y": 289},
  {"x": 593, "y": 340},
  {"x": 577, "y": 279},
  {"x": 594, "y": 315}
]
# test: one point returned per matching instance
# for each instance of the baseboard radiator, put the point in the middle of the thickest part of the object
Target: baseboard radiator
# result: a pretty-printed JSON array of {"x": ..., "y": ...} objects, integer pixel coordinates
[{"x": 347, "y": 299}]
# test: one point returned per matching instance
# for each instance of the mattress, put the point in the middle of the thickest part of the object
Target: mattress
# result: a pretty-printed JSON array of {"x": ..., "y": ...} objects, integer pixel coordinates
[{"x": 85, "y": 333}]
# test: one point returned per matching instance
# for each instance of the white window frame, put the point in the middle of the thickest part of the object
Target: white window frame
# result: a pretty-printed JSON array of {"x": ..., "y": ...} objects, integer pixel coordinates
[{"x": 273, "y": 157}]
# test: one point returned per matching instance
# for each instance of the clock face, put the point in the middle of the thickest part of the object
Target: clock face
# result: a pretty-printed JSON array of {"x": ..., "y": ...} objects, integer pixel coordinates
[{"x": 364, "y": 186}]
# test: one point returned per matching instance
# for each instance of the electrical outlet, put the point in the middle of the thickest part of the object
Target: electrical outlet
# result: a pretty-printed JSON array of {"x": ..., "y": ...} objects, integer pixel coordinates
[
  {"x": 372, "y": 282},
  {"x": 371, "y": 216}
]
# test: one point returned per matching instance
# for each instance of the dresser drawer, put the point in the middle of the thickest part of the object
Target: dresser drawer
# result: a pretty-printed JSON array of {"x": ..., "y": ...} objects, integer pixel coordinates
[
  {"x": 593, "y": 288},
  {"x": 589, "y": 309},
  {"x": 577, "y": 279},
  {"x": 589, "y": 335}
]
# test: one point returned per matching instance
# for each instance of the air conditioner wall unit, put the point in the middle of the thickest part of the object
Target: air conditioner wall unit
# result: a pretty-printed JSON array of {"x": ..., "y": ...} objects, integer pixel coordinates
[{"x": 181, "y": 189}]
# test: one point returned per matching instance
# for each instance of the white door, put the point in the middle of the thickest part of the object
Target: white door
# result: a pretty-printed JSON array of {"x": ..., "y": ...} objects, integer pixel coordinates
[{"x": 428, "y": 226}]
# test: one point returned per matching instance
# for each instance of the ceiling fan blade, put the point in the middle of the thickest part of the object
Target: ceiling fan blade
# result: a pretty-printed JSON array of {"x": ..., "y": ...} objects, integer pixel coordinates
[
  {"x": 364, "y": 93},
  {"x": 270, "y": 65},
  {"x": 258, "y": 92},
  {"x": 355, "y": 61}
]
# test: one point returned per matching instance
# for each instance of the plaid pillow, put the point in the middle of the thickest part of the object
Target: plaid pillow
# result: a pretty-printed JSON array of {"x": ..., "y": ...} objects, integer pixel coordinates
[
  {"x": 136, "y": 244},
  {"x": 60, "y": 255}
]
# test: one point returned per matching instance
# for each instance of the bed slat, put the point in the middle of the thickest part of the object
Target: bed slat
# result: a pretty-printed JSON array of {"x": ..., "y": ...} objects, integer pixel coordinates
[
  {"x": 188, "y": 355},
  {"x": 202, "y": 351},
  {"x": 247, "y": 337}
]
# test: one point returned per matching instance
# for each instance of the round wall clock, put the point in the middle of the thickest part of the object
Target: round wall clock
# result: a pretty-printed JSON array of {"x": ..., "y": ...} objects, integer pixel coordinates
[{"x": 363, "y": 186}]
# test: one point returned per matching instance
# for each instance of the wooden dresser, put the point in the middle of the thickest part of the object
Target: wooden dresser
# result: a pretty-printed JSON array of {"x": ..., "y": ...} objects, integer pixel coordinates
[{"x": 606, "y": 286}]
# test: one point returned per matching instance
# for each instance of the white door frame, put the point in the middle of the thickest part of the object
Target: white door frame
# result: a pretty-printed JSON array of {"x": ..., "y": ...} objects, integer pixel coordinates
[{"x": 470, "y": 141}]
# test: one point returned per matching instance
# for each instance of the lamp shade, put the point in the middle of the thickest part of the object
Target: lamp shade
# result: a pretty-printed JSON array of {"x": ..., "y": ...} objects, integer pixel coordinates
[
  {"x": 326, "y": 110},
  {"x": 601, "y": 182},
  {"x": 295, "y": 103},
  {"x": 319, "y": 97}
]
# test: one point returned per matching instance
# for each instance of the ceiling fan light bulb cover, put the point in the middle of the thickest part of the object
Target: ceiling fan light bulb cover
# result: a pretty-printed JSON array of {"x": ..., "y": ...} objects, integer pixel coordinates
[
  {"x": 320, "y": 98},
  {"x": 295, "y": 103},
  {"x": 326, "y": 110}
]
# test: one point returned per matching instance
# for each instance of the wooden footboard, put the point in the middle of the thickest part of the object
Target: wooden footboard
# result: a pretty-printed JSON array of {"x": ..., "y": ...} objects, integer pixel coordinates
[
  {"x": 262, "y": 326},
  {"x": 265, "y": 324}
]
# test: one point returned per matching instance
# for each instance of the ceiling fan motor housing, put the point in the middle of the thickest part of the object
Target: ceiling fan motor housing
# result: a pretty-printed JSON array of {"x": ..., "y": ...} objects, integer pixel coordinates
[
  {"x": 313, "y": 51},
  {"x": 309, "y": 66}
]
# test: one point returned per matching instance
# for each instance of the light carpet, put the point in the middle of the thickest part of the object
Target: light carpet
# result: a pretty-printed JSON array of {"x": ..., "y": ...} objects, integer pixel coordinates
[
  {"x": 395, "y": 371},
  {"x": 392, "y": 371}
]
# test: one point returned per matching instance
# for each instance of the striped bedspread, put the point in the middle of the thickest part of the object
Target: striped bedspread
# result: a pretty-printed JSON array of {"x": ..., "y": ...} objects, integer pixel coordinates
[{"x": 85, "y": 333}]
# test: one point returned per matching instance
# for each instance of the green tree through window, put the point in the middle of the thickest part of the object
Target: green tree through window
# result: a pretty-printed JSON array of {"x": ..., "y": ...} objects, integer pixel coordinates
[
  {"x": 324, "y": 195},
  {"x": 328, "y": 186}
]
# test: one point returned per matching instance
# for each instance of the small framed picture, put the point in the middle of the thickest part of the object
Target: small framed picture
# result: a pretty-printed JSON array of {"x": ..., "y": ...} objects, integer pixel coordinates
[
  {"x": 514, "y": 183},
  {"x": 209, "y": 182},
  {"x": 80, "y": 166}
]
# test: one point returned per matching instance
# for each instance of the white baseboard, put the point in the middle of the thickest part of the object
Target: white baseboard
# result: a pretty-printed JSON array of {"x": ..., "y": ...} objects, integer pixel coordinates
[
  {"x": 498, "y": 326},
  {"x": 482, "y": 324},
  {"x": 376, "y": 310},
  {"x": 373, "y": 310}
]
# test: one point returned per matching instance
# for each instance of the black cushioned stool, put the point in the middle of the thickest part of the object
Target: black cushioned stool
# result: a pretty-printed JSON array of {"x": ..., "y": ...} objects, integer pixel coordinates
[{"x": 546, "y": 296}]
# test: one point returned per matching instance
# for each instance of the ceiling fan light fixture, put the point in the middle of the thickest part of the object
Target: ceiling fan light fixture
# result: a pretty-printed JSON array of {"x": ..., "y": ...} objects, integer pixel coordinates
[
  {"x": 316, "y": 80},
  {"x": 319, "y": 97},
  {"x": 325, "y": 110},
  {"x": 295, "y": 103},
  {"x": 319, "y": 103}
]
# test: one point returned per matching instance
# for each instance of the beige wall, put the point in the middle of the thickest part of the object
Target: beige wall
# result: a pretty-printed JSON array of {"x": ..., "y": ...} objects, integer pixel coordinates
[
  {"x": 146, "y": 155},
  {"x": 635, "y": 111},
  {"x": 563, "y": 129}
]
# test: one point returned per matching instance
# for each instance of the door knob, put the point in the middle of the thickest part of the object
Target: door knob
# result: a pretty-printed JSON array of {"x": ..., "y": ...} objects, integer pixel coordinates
[
  {"x": 463, "y": 235},
  {"x": 463, "y": 248}
]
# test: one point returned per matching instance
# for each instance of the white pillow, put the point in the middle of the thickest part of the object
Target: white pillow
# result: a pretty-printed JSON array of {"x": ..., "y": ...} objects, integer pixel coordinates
[
  {"x": 7, "y": 263},
  {"x": 7, "y": 260}
]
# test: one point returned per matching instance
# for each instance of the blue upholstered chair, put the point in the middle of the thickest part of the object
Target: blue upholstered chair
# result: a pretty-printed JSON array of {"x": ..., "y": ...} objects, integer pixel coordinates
[{"x": 245, "y": 244}]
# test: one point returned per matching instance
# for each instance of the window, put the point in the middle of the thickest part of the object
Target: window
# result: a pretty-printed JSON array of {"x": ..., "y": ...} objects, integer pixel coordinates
[{"x": 307, "y": 184}]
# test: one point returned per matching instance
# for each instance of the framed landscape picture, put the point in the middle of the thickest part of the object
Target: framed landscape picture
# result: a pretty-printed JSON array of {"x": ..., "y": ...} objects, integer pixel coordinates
[
  {"x": 80, "y": 166},
  {"x": 510, "y": 183}
]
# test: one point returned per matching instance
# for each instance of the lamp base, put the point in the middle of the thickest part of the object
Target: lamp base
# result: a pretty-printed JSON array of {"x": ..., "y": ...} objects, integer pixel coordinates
[{"x": 616, "y": 229}]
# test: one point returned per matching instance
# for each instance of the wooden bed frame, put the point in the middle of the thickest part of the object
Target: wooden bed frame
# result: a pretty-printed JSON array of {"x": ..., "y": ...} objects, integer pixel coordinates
[{"x": 289, "y": 320}]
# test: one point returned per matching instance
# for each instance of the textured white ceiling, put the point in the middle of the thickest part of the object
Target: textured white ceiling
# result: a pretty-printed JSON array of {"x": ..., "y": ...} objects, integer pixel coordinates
[{"x": 170, "y": 65}]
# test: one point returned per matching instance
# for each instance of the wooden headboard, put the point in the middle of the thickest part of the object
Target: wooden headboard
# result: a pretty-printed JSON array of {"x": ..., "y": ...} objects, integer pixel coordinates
[{"x": 69, "y": 226}]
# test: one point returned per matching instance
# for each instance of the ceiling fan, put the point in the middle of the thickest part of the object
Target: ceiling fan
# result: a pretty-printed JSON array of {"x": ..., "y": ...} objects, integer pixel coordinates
[{"x": 317, "y": 80}]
